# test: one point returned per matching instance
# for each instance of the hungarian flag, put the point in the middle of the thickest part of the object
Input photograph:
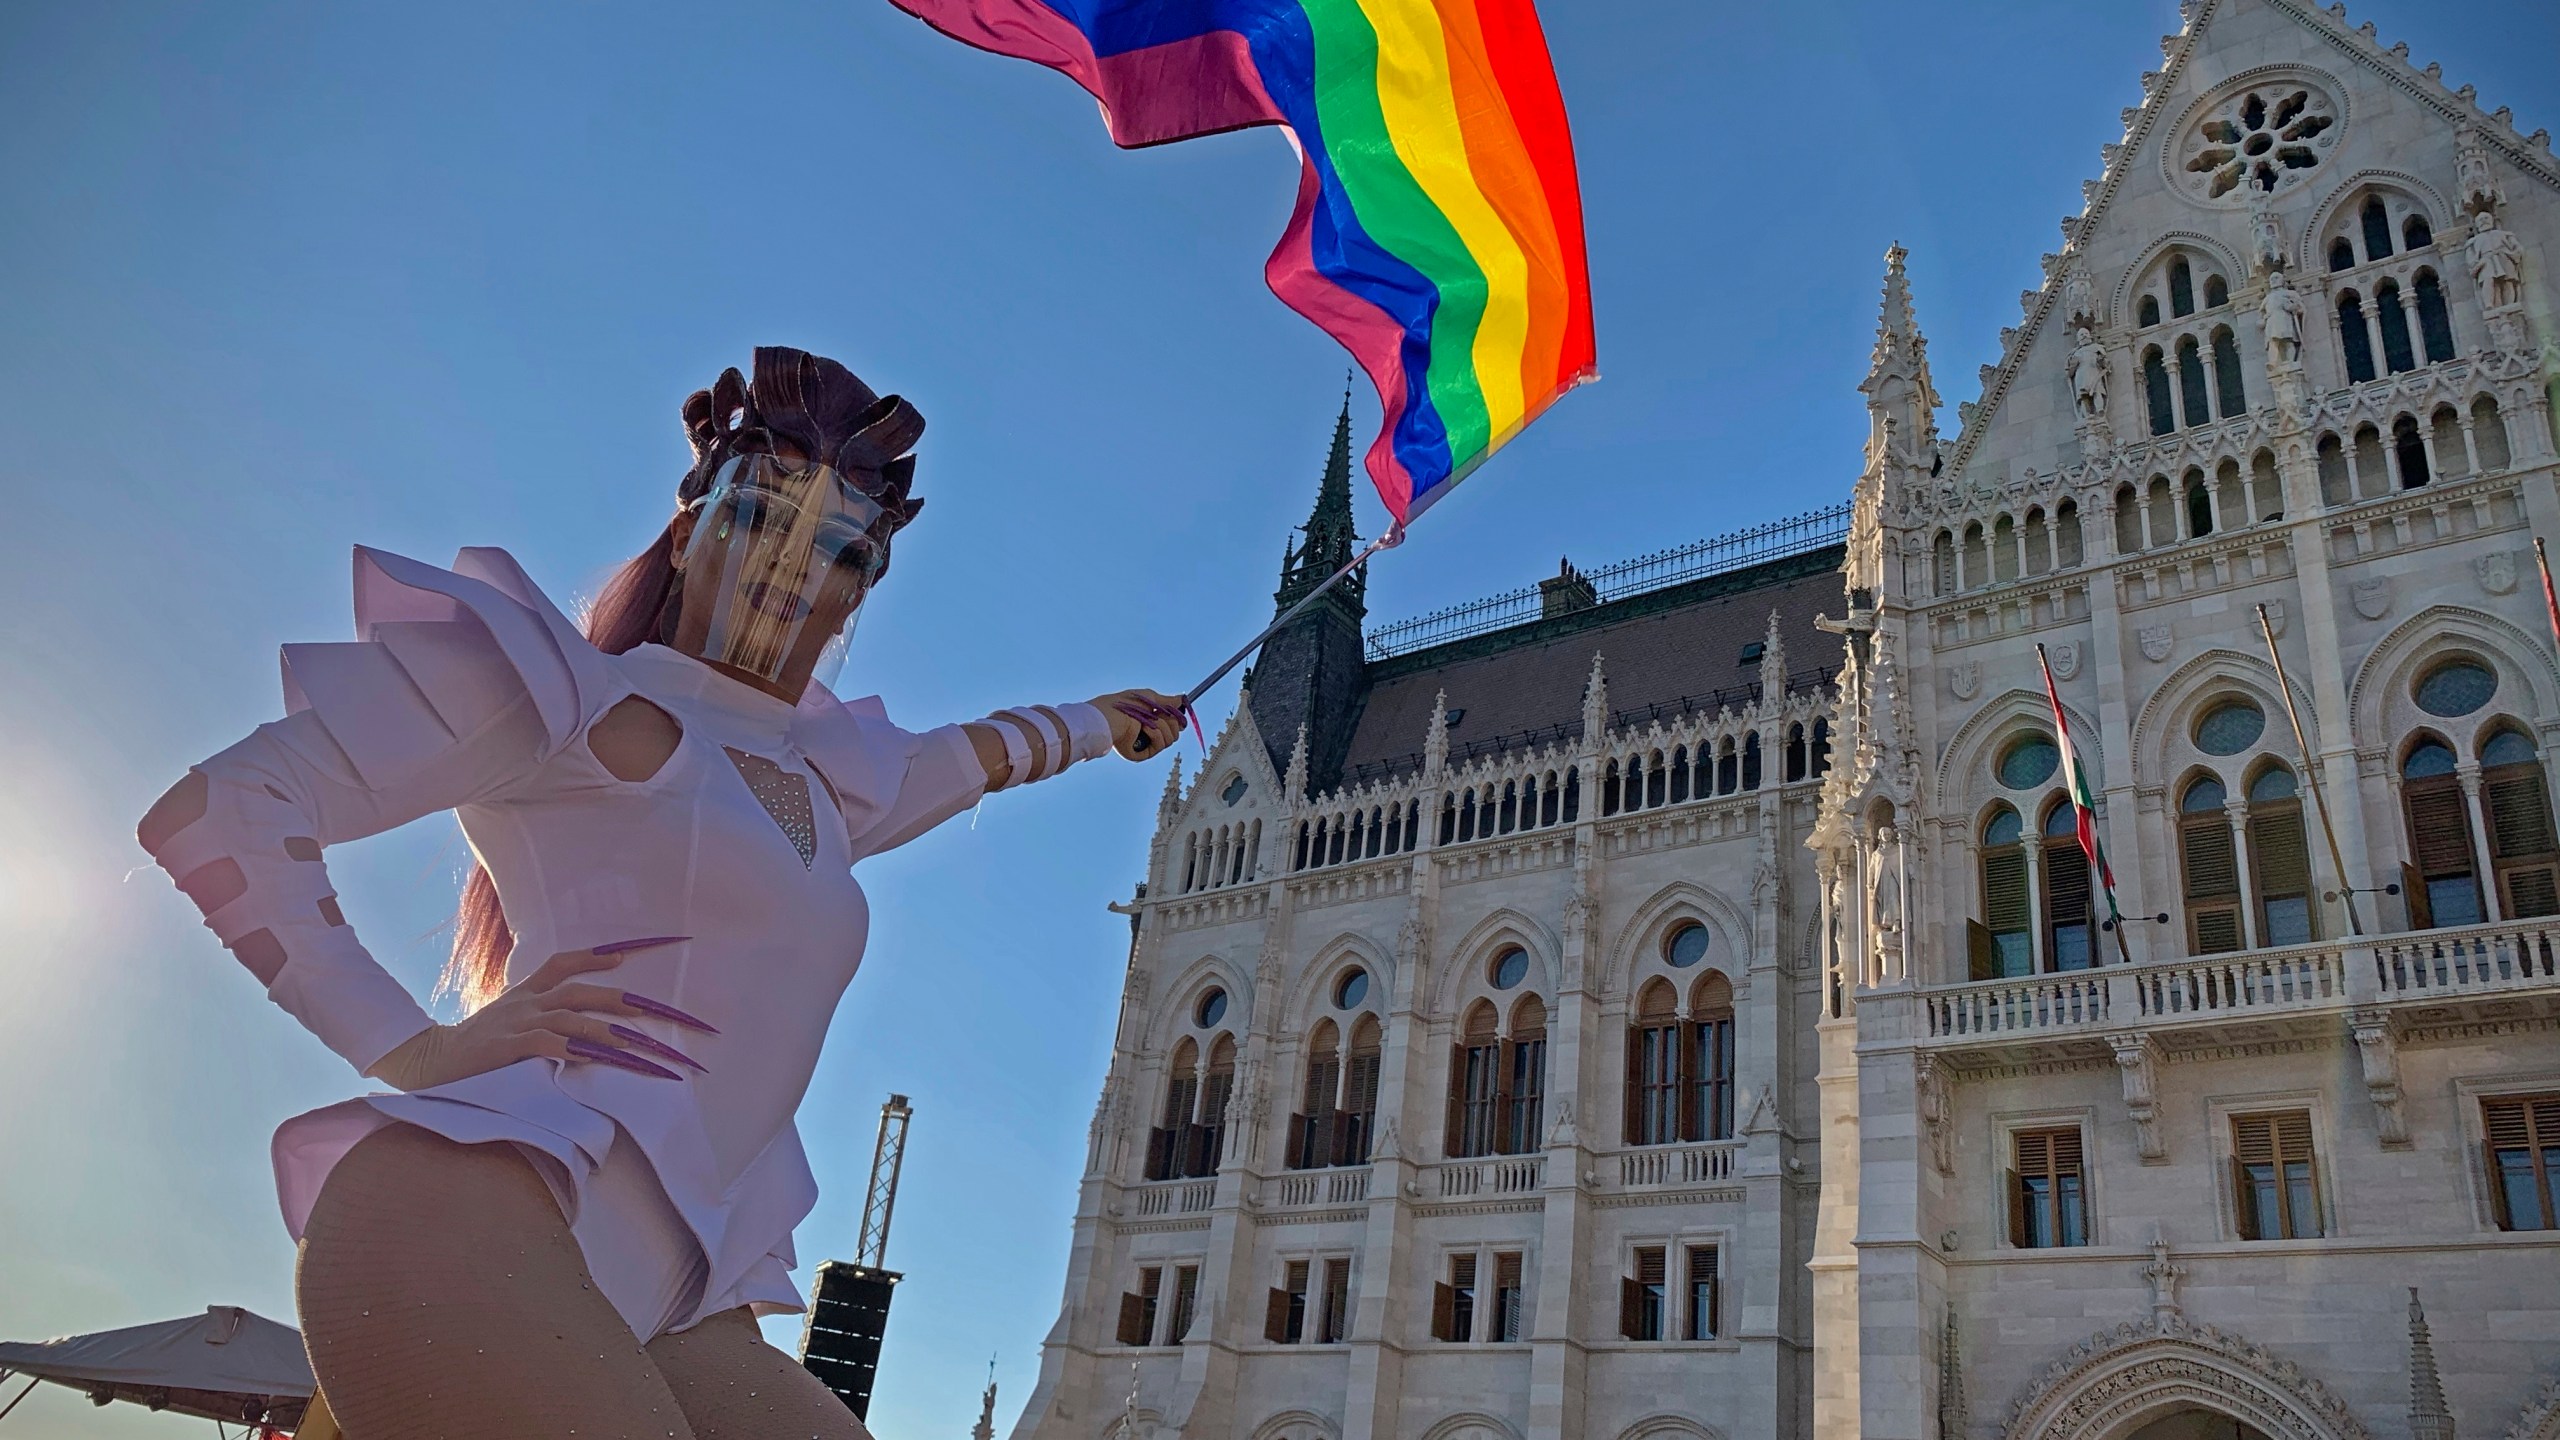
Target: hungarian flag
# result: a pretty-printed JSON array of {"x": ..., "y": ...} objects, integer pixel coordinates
[{"x": 2084, "y": 796}]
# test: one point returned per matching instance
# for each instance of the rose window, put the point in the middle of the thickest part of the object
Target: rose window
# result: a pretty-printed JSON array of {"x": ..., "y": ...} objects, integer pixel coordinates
[{"x": 2259, "y": 140}]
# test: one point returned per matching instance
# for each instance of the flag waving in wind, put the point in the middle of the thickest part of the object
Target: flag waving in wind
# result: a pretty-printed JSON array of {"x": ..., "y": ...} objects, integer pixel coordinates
[
  {"x": 1438, "y": 230},
  {"x": 2084, "y": 801}
]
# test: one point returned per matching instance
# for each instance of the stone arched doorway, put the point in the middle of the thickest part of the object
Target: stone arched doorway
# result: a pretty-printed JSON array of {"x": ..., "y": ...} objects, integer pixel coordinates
[{"x": 2177, "y": 1383}]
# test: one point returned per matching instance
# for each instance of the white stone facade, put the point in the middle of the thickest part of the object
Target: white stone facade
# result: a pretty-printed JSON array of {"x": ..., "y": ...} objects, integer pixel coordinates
[{"x": 1859, "y": 1202}]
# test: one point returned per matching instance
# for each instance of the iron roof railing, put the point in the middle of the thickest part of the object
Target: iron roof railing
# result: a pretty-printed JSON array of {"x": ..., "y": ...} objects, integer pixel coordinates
[{"x": 1773, "y": 541}]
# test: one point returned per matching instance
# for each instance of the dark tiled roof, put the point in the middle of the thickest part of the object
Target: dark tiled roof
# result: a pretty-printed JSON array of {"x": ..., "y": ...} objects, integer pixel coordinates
[{"x": 1661, "y": 648}]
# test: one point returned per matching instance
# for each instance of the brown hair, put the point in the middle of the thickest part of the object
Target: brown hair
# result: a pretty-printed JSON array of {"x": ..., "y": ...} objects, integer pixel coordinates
[{"x": 828, "y": 413}]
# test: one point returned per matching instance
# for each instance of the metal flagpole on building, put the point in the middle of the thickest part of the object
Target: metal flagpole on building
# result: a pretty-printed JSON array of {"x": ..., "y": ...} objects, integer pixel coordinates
[{"x": 2311, "y": 775}]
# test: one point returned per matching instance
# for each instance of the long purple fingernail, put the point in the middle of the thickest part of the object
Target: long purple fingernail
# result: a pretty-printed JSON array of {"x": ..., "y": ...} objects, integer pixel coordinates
[
  {"x": 619, "y": 1059},
  {"x": 655, "y": 1046},
  {"x": 663, "y": 1011},
  {"x": 618, "y": 947}
]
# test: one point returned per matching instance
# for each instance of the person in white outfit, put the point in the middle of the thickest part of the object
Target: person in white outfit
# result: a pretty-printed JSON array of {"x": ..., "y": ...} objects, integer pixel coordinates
[{"x": 566, "y": 1214}]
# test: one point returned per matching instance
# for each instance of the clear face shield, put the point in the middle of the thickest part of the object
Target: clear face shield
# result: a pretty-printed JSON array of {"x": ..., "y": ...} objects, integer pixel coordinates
[{"x": 781, "y": 557}]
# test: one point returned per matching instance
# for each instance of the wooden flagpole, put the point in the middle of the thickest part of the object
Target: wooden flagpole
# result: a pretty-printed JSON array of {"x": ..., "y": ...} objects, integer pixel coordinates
[{"x": 2311, "y": 776}]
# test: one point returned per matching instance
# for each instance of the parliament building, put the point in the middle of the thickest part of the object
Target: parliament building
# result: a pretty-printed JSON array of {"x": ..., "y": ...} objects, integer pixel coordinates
[{"x": 1671, "y": 1000}]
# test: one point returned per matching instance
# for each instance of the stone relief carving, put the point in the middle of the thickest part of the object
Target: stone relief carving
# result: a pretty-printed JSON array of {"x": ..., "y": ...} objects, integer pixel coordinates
[
  {"x": 2276, "y": 618},
  {"x": 1934, "y": 1114},
  {"x": 2372, "y": 598},
  {"x": 2379, "y": 1049},
  {"x": 2496, "y": 572},
  {"x": 2065, "y": 658},
  {"x": 2095, "y": 1384},
  {"x": 2079, "y": 303},
  {"x": 2156, "y": 642},
  {"x": 2540, "y": 1419},
  {"x": 1964, "y": 679},
  {"x": 2266, "y": 235},
  {"x": 2475, "y": 189},
  {"x": 2136, "y": 1060}
]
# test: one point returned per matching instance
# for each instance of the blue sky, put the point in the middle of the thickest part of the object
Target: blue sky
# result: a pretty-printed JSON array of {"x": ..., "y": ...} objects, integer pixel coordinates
[{"x": 279, "y": 278}]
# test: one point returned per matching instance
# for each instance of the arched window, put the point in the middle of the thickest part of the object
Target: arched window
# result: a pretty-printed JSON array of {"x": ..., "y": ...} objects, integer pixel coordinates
[
  {"x": 2489, "y": 435},
  {"x": 2354, "y": 337},
  {"x": 2039, "y": 537},
  {"x": 1706, "y": 1100},
  {"x": 1820, "y": 764},
  {"x": 1795, "y": 753},
  {"x": 2410, "y": 450},
  {"x": 2229, "y": 500},
  {"x": 2396, "y": 352},
  {"x": 2070, "y": 936},
  {"x": 1572, "y": 795},
  {"x": 1751, "y": 761},
  {"x": 1653, "y": 1066},
  {"x": 2377, "y": 229},
  {"x": 2199, "y": 506},
  {"x": 2000, "y": 943},
  {"x": 2446, "y": 426},
  {"x": 1181, "y": 1101},
  {"x": 1524, "y": 1072},
  {"x": 2128, "y": 521},
  {"x": 1311, "y": 1129},
  {"x": 1190, "y": 859},
  {"x": 2148, "y": 312},
  {"x": 2372, "y": 471},
  {"x": 2182, "y": 288},
  {"x": 2334, "y": 487},
  {"x": 2066, "y": 534},
  {"x": 1942, "y": 564},
  {"x": 2442, "y": 882},
  {"x": 1475, "y": 1081},
  {"x": 1205, "y": 1143},
  {"x": 2519, "y": 821},
  {"x": 2196, "y": 401},
  {"x": 1609, "y": 788},
  {"x": 2342, "y": 255},
  {"x": 2155, "y": 392},
  {"x": 2435, "y": 325},
  {"x": 2280, "y": 859},
  {"x": 2226, "y": 373},
  {"x": 2004, "y": 549},
  {"x": 2217, "y": 292},
  {"x": 2265, "y": 487},
  {"x": 1448, "y": 817},
  {"x": 1654, "y": 775},
  {"x": 2164, "y": 512},
  {"x": 1977, "y": 557},
  {"x": 2416, "y": 233},
  {"x": 1359, "y": 1112},
  {"x": 1728, "y": 768},
  {"x": 2212, "y": 867}
]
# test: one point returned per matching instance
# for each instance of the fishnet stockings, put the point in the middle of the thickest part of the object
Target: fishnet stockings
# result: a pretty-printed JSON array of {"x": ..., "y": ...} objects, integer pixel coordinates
[{"x": 444, "y": 1298}]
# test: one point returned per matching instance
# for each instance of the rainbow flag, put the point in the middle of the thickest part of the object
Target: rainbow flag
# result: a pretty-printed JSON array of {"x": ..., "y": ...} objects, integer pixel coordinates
[{"x": 1438, "y": 231}]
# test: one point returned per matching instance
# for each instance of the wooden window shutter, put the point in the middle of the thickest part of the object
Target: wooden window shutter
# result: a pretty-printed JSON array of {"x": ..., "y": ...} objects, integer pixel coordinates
[
  {"x": 2217, "y": 928},
  {"x": 1702, "y": 1271},
  {"x": 1133, "y": 1324},
  {"x": 1503, "y": 1059},
  {"x": 2033, "y": 1156},
  {"x": 1506, "y": 1270},
  {"x": 1634, "y": 1101},
  {"x": 2004, "y": 889},
  {"x": 2066, "y": 875},
  {"x": 2440, "y": 833},
  {"x": 2244, "y": 1201},
  {"x": 2017, "y": 1193},
  {"x": 1454, "y": 1141},
  {"x": 1685, "y": 1078},
  {"x": 1630, "y": 1307},
  {"x": 2509, "y": 1126},
  {"x": 2253, "y": 1142},
  {"x": 1297, "y": 1159},
  {"x": 2066, "y": 1152},
  {"x": 1444, "y": 1311},
  {"x": 1981, "y": 956},
  {"x": 2532, "y": 890},
  {"x": 2519, "y": 813},
  {"x": 2280, "y": 853},
  {"x": 1275, "y": 1317},
  {"x": 2213, "y": 868},
  {"x": 2413, "y": 889}
]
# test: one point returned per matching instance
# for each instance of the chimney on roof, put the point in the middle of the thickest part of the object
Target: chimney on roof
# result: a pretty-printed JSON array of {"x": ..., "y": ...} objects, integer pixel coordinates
[{"x": 1568, "y": 591}]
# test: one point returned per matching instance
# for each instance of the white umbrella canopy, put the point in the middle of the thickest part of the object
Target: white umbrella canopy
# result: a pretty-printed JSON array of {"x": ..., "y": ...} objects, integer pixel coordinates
[{"x": 226, "y": 1364}]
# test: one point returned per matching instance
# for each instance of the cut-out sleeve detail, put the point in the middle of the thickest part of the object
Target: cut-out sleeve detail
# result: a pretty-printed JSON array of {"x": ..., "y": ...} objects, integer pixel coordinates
[{"x": 938, "y": 777}]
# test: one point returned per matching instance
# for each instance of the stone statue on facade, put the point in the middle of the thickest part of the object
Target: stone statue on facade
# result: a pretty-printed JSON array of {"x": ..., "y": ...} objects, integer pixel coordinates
[
  {"x": 2088, "y": 376},
  {"x": 1884, "y": 902},
  {"x": 2266, "y": 234},
  {"x": 2282, "y": 314},
  {"x": 2497, "y": 263}
]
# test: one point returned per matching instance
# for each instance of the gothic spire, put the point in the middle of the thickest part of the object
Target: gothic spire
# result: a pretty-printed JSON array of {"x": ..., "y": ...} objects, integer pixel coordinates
[
  {"x": 1898, "y": 387},
  {"x": 1330, "y": 541},
  {"x": 2428, "y": 1417}
]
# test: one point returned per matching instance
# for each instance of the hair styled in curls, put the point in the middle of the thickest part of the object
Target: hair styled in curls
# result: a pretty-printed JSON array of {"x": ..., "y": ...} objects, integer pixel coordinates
[{"x": 818, "y": 407}]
